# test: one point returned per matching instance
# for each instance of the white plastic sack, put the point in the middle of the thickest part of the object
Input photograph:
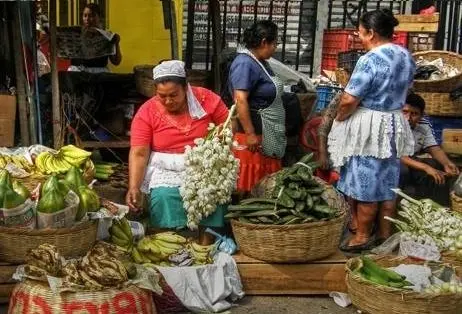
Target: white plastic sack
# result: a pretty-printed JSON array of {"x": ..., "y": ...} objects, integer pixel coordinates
[
  {"x": 289, "y": 76},
  {"x": 206, "y": 288}
]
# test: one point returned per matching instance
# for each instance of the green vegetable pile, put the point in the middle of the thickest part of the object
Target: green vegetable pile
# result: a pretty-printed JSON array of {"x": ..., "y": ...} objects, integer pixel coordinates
[
  {"x": 296, "y": 198},
  {"x": 371, "y": 271}
]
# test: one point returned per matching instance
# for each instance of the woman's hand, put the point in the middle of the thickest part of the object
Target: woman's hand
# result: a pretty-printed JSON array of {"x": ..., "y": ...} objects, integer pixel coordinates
[
  {"x": 253, "y": 143},
  {"x": 115, "y": 39},
  {"x": 133, "y": 199}
]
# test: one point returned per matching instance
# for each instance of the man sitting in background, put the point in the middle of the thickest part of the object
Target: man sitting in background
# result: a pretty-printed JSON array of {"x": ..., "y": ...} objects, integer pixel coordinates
[{"x": 425, "y": 177}]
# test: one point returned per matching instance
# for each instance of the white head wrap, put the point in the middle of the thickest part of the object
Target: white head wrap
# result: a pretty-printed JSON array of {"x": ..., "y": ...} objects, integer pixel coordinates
[{"x": 175, "y": 68}]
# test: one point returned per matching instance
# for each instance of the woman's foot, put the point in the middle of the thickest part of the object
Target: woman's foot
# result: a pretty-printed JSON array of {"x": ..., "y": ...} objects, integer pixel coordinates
[{"x": 357, "y": 245}]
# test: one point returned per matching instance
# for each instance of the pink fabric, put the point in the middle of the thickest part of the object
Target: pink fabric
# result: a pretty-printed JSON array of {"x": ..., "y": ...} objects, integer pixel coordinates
[{"x": 153, "y": 126}]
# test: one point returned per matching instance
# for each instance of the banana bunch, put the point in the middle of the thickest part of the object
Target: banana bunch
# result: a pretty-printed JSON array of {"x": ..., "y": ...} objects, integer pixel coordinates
[
  {"x": 200, "y": 253},
  {"x": 158, "y": 248},
  {"x": 103, "y": 266},
  {"x": 19, "y": 161},
  {"x": 62, "y": 161},
  {"x": 42, "y": 261},
  {"x": 121, "y": 234}
]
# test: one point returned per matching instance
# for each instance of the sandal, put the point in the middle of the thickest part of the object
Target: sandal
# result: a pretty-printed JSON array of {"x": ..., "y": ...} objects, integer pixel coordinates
[{"x": 358, "y": 248}]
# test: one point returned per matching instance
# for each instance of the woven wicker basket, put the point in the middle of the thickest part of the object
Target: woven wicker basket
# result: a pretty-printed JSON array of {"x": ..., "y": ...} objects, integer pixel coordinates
[
  {"x": 439, "y": 86},
  {"x": 143, "y": 80},
  {"x": 456, "y": 203},
  {"x": 372, "y": 298},
  {"x": 15, "y": 243},
  {"x": 439, "y": 104},
  {"x": 30, "y": 297},
  {"x": 342, "y": 76}
]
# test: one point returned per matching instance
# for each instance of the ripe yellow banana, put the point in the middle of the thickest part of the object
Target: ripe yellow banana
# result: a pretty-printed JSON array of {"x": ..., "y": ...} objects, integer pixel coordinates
[
  {"x": 168, "y": 245},
  {"x": 39, "y": 162},
  {"x": 137, "y": 256},
  {"x": 201, "y": 248},
  {"x": 74, "y": 152},
  {"x": 153, "y": 257},
  {"x": 74, "y": 161},
  {"x": 143, "y": 245},
  {"x": 2, "y": 162},
  {"x": 170, "y": 237}
]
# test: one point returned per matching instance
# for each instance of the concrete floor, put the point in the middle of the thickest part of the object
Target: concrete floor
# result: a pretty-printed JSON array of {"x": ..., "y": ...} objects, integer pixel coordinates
[{"x": 279, "y": 305}]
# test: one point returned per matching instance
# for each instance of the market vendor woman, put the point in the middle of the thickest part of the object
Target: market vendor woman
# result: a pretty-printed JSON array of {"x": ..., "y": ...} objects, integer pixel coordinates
[
  {"x": 160, "y": 131},
  {"x": 370, "y": 132},
  {"x": 257, "y": 92}
]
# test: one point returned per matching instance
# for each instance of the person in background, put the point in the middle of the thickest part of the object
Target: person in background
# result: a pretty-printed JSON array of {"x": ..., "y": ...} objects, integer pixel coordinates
[
  {"x": 91, "y": 20},
  {"x": 370, "y": 133},
  {"x": 160, "y": 131},
  {"x": 425, "y": 177},
  {"x": 257, "y": 91}
]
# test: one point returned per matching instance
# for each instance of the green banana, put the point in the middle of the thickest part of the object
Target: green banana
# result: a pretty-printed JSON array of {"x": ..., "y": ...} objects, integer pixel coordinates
[
  {"x": 117, "y": 231},
  {"x": 125, "y": 226},
  {"x": 120, "y": 242}
]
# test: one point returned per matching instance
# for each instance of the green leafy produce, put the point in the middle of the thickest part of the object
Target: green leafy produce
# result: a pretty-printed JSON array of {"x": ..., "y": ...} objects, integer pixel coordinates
[{"x": 295, "y": 198}]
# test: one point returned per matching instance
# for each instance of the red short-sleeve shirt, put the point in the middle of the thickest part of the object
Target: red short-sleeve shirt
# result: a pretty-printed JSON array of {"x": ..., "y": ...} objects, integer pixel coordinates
[{"x": 153, "y": 126}]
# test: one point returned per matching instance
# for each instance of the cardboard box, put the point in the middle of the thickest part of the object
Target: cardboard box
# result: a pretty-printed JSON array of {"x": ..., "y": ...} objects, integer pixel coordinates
[
  {"x": 7, "y": 120},
  {"x": 452, "y": 141}
]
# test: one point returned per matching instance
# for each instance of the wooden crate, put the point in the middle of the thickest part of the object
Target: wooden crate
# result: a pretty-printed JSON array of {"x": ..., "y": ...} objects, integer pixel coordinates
[
  {"x": 418, "y": 23},
  {"x": 316, "y": 277},
  {"x": 452, "y": 141}
]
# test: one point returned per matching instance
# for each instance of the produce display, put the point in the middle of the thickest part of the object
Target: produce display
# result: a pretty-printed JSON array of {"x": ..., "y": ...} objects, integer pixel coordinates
[
  {"x": 210, "y": 173},
  {"x": 103, "y": 266},
  {"x": 162, "y": 249},
  {"x": 371, "y": 271},
  {"x": 105, "y": 170},
  {"x": 296, "y": 198},
  {"x": 422, "y": 220},
  {"x": 19, "y": 161},
  {"x": 446, "y": 287},
  {"x": 12, "y": 194},
  {"x": 53, "y": 193},
  {"x": 67, "y": 157}
]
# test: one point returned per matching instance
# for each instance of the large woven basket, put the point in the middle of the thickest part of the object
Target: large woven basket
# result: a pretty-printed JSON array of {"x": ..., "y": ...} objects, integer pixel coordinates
[
  {"x": 440, "y": 104},
  {"x": 297, "y": 243},
  {"x": 34, "y": 297},
  {"x": 15, "y": 243},
  {"x": 143, "y": 80},
  {"x": 456, "y": 203},
  {"x": 377, "y": 299},
  {"x": 440, "y": 86}
]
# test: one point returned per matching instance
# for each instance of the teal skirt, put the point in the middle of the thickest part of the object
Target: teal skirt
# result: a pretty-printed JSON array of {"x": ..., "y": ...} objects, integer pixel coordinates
[{"x": 166, "y": 210}]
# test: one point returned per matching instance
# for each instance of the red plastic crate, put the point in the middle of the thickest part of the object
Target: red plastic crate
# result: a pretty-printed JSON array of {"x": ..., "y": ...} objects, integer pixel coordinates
[
  {"x": 400, "y": 38},
  {"x": 329, "y": 61},
  {"x": 339, "y": 40}
]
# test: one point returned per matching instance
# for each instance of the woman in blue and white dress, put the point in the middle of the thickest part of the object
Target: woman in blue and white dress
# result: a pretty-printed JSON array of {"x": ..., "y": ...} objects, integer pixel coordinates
[{"x": 370, "y": 133}]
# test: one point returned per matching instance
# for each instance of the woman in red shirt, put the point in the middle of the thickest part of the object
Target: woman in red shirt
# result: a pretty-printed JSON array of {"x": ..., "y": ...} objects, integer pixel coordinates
[{"x": 162, "y": 127}]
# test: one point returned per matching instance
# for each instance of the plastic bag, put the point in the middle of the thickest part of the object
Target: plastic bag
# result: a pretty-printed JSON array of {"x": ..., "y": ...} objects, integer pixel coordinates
[{"x": 457, "y": 188}]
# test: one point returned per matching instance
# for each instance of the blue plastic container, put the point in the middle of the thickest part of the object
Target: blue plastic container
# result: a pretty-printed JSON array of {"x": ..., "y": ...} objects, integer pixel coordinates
[
  {"x": 440, "y": 123},
  {"x": 325, "y": 95}
]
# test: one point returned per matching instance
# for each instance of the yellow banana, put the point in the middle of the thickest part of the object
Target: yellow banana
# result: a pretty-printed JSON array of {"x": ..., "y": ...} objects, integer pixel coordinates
[
  {"x": 166, "y": 252},
  {"x": 74, "y": 161},
  {"x": 153, "y": 247},
  {"x": 162, "y": 244},
  {"x": 171, "y": 237},
  {"x": 201, "y": 248},
  {"x": 16, "y": 161},
  {"x": 39, "y": 162},
  {"x": 74, "y": 152},
  {"x": 137, "y": 257},
  {"x": 152, "y": 257},
  {"x": 143, "y": 245},
  {"x": 2, "y": 162}
]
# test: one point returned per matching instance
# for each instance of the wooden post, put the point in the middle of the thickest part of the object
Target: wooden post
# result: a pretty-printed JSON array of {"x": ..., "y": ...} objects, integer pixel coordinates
[
  {"x": 20, "y": 77},
  {"x": 190, "y": 34},
  {"x": 173, "y": 31},
  {"x": 56, "y": 106},
  {"x": 216, "y": 35}
]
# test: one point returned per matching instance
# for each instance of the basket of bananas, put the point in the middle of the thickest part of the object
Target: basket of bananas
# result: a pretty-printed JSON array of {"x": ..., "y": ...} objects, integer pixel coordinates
[
  {"x": 375, "y": 288},
  {"x": 101, "y": 279}
]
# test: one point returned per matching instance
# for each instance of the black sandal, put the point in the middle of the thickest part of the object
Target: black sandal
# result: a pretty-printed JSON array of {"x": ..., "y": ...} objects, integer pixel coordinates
[{"x": 358, "y": 248}]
